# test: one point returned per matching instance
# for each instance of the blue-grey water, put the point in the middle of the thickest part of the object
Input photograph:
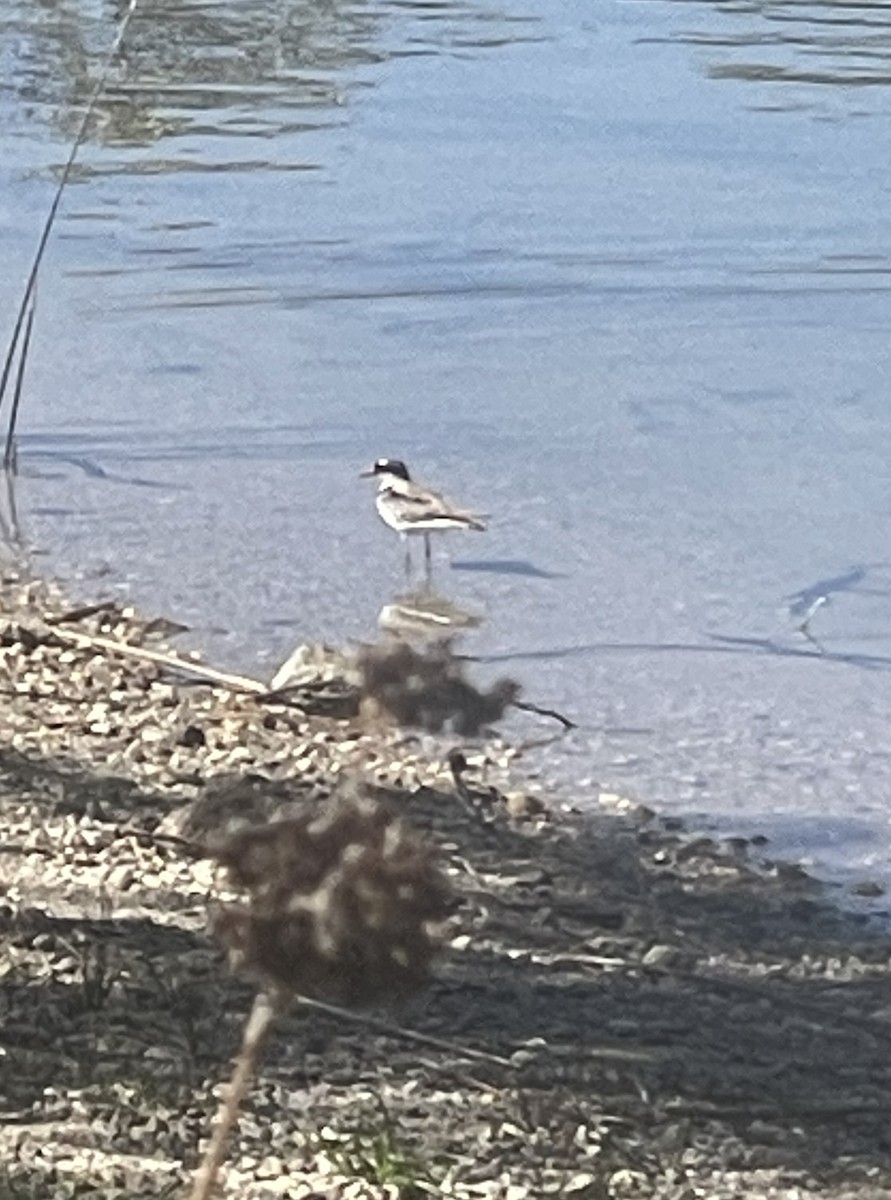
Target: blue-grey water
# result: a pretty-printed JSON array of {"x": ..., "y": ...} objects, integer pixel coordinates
[{"x": 617, "y": 275}]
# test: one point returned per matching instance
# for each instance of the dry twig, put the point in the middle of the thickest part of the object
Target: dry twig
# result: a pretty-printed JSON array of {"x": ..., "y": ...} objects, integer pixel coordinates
[
  {"x": 528, "y": 706},
  {"x": 172, "y": 662},
  {"x": 256, "y": 1030}
]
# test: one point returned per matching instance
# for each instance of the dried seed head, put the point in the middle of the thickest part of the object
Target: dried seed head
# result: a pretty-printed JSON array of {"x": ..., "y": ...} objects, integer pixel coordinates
[
  {"x": 427, "y": 688},
  {"x": 342, "y": 904}
]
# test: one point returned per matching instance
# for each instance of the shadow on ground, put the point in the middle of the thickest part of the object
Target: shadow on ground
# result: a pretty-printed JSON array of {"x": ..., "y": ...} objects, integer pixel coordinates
[{"x": 696, "y": 1016}]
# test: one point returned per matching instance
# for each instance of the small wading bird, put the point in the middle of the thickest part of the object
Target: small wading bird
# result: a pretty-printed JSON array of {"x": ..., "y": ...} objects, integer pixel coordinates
[{"x": 410, "y": 508}]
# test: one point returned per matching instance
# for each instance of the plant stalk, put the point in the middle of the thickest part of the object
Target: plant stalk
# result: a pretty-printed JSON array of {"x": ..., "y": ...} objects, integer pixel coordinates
[{"x": 256, "y": 1028}]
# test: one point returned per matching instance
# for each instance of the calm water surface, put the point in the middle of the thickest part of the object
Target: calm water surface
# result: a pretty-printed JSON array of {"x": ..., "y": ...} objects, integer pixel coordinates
[{"x": 617, "y": 275}]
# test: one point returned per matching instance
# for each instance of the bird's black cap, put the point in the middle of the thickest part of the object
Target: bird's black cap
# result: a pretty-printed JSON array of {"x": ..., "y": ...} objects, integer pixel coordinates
[{"x": 389, "y": 466}]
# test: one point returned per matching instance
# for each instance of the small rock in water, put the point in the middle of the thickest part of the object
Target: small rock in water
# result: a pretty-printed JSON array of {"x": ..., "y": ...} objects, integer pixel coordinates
[{"x": 869, "y": 888}]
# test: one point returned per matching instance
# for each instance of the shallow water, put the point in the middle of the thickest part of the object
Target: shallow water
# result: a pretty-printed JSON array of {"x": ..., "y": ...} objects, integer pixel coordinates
[{"x": 618, "y": 278}]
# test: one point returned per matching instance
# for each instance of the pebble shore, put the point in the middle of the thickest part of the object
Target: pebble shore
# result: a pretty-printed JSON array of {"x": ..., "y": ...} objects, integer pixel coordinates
[{"x": 621, "y": 1010}]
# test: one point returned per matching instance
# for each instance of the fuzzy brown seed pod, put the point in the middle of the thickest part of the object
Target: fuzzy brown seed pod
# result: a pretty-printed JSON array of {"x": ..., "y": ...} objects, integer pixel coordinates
[
  {"x": 342, "y": 904},
  {"x": 427, "y": 688}
]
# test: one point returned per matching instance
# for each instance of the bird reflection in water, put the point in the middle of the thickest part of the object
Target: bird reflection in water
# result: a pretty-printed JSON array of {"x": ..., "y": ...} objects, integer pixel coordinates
[
  {"x": 423, "y": 613},
  {"x": 414, "y": 677}
]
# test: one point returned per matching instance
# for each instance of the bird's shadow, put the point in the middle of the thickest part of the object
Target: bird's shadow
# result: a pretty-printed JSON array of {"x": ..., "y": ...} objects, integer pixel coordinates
[
  {"x": 506, "y": 566},
  {"x": 847, "y": 581}
]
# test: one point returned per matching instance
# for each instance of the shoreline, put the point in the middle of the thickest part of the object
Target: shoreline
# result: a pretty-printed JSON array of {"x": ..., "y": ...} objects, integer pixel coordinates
[{"x": 656, "y": 1014}]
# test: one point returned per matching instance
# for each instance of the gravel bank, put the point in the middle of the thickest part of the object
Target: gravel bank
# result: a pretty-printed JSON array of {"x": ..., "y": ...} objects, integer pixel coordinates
[{"x": 632, "y": 1012}]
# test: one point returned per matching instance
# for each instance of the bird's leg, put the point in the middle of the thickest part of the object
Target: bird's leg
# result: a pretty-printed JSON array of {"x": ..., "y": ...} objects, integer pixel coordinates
[
  {"x": 428, "y": 561},
  {"x": 407, "y": 558}
]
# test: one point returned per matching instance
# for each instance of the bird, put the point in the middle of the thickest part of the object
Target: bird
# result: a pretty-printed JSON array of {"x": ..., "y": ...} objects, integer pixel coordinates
[{"x": 411, "y": 508}]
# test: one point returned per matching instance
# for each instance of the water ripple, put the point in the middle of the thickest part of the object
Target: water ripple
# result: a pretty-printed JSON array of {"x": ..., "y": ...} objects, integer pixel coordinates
[{"x": 794, "y": 42}]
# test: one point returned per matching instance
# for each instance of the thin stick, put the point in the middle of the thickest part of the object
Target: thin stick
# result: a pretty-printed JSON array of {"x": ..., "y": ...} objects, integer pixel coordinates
[
  {"x": 31, "y": 282},
  {"x": 399, "y": 1031},
  {"x": 239, "y": 683},
  {"x": 792, "y": 1107},
  {"x": 527, "y": 706},
  {"x": 805, "y": 629},
  {"x": 256, "y": 1028},
  {"x": 9, "y": 450},
  {"x": 85, "y": 610},
  {"x": 8, "y": 528},
  {"x": 617, "y": 1053},
  {"x": 13, "y": 510}
]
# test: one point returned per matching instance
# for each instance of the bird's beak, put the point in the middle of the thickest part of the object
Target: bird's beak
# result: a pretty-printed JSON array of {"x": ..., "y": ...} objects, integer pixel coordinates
[{"x": 366, "y": 474}]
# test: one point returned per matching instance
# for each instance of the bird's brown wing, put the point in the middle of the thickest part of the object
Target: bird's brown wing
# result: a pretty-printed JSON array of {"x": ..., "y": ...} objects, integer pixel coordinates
[{"x": 421, "y": 504}]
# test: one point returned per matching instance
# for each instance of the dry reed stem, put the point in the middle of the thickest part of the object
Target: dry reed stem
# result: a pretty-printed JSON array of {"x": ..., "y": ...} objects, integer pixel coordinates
[
  {"x": 241, "y": 683},
  {"x": 256, "y": 1028}
]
